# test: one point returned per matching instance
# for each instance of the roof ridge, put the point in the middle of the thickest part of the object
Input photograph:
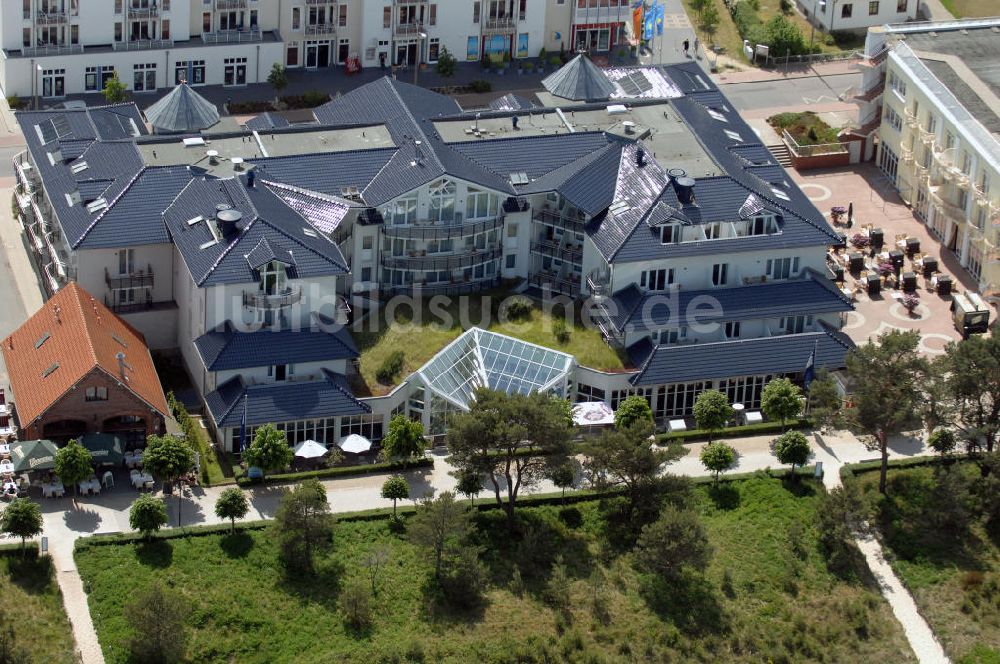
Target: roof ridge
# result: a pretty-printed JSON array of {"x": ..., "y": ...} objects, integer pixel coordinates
[
  {"x": 244, "y": 387},
  {"x": 76, "y": 294},
  {"x": 107, "y": 209},
  {"x": 225, "y": 252}
]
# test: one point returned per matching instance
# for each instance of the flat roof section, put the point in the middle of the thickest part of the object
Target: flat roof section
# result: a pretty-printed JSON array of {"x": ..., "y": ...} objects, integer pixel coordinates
[
  {"x": 193, "y": 151},
  {"x": 967, "y": 61}
]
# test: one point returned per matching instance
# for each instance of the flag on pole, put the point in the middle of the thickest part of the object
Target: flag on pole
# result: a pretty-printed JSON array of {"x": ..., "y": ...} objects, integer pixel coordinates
[
  {"x": 649, "y": 29},
  {"x": 659, "y": 19},
  {"x": 809, "y": 373},
  {"x": 243, "y": 425}
]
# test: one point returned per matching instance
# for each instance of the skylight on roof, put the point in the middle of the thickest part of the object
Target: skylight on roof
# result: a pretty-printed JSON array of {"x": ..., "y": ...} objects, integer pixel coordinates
[
  {"x": 733, "y": 135},
  {"x": 194, "y": 220},
  {"x": 48, "y": 372},
  {"x": 717, "y": 115},
  {"x": 519, "y": 178},
  {"x": 97, "y": 205},
  {"x": 41, "y": 340},
  {"x": 618, "y": 207},
  {"x": 193, "y": 141},
  {"x": 114, "y": 335},
  {"x": 780, "y": 194},
  {"x": 310, "y": 232},
  {"x": 79, "y": 167},
  {"x": 206, "y": 245}
]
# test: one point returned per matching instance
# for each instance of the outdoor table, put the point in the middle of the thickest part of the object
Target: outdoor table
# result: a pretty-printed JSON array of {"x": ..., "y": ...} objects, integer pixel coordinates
[
  {"x": 912, "y": 245},
  {"x": 930, "y": 266},
  {"x": 89, "y": 486},
  {"x": 133, "y": 459},
  {"x": 874, "y": 285},
  {"x": 909, "y": 281},
  {"x": 677, "y": 425},
  {"x": 142, "y": 480},
  {"x": 857, "y": 261},
  {"x": 53, "y": 489},
  {"x": 6, "y": 467}
]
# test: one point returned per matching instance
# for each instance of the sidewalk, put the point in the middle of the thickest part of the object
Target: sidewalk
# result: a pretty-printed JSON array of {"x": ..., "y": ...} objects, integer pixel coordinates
[{"x": 780, "y": 73}]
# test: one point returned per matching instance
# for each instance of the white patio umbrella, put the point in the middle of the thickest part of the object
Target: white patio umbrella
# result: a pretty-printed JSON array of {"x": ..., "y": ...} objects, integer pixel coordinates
[
  {"x": 592, "y": 413},
  {"x": 310, "y": 449},
  {"x": 6, "y": 467},
  {"x": 355, "y": 444}
]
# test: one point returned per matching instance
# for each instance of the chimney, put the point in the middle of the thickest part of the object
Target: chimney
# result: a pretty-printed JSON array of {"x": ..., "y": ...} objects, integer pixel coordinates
[
  {"x": 121, "y": 364},
  {"x": 57, "y": 311},
  {"x": 684, "y": 188},
  {"x": 250, "y": 178},
  {"x": 227, "y": 219},
  {"x": 640, "y": 157},
  {"x": 513, "y": 121}
]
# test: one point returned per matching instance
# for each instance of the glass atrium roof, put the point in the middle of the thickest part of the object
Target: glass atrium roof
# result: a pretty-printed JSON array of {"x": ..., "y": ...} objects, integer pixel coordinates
[{"x": 486, "y": 359}]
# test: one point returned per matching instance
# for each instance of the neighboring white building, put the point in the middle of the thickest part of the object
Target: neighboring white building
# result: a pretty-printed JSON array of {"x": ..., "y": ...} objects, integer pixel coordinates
[
  {"x": 930, "y": 95},
  {"x": 52, "y": 48},
  {"x": 857, "y": 15}
]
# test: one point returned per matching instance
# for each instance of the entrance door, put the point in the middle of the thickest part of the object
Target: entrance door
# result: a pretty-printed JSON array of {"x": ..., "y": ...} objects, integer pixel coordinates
[
  {"x": 311, "y": 56},
  {"x": 323, "y": 55},
  {"x": 279, "y": 372},
  {"x": 343, "y": 52},
  {"x": 401, "y": 56},
  {"x": 411, "y": 54}
]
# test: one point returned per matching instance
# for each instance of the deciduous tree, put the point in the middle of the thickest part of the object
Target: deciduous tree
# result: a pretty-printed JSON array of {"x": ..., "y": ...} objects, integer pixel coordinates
[
  {"x": 73, "y": 464},
  {"x": 22, "y": 518},
  {"x": 167, "y": 457},
  {"x": 942, "y": 441},
  {"x": 115, "y": 91},
  {"x": 633, "y": 410},
  {"x": 277, "y": 78},
  {"x": 626, "y": 458},
  {"x": 498, "y": 436},
  {"x": 232, "y": 504},
  {"x": 718, "y": 457},
  {"x": 884, "y": 377},
  {"x": 269, "y": 449},
  {"x": 404, "y": 440},
  {"x": 564, "y": 475},
  {"x": 147, "y": 515},
  {"x": 712, "y": 412},
  {"x": 441, "y": 527},
  {"x": 781, "y": 400},
  {"x": 470, "y": 483},
  {"x": 395, "y": 488},
  {"x": 792, "y": 448}
]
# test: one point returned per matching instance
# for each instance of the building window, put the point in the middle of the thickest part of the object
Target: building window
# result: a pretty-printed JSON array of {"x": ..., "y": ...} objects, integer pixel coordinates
[
  {"x": 74, "y": 34},
  {"x": 873, "y": 8},
  {"x": 586, "y": 392},
  {"x": 898, "y": 85},
  {"x": 96, "y": 78},
  {"x": 296, "y": 18},
  {"x": 888, "y": 162},
  {"x": 192, "y": 71},
  {"x": 342, "y": 16},
  {"x": 733, "y": 329},
  {"x": 657, "y": 280},
  {"x": 678, "y": 399},
  {"x": 745, "y": 390},
  {"x": 482, "y": 205},
  {"x": 963, "y": 198},
  {"x": 235, "y": 72},
  {"x": 795, "y": 324},
  {"x": 511, "y": 261},
  {"x": 144, "y": 77},
  {"x": 670, "y": 234},
  {"x": 281, "y": 372},
  {"x": 292, "y": 56},
  {"x": 931, "y": 123},
  {"x": 53, "y": 82},
  {"x": 366, "y": 274},
  {"x": 671, "y": 336},
  {"x": 476, "y": 11},
  {"x": 782, "y": 268},
  {"x": 442, "y": 206},
  {"x": 126, "y": 261},
  {"x": 433, "y": 49},
  {"x": 893, "y": 118},
  {"x": 432, "y": 15},
  {"x": 846, "y": 11},
  {"x": 902, "y": 6},
  {"x": 720, "y": 274},
  {"x": 369, "y": 426},
  {"x": 386, "y": 17},
  {"x": 96, "y": 394}
]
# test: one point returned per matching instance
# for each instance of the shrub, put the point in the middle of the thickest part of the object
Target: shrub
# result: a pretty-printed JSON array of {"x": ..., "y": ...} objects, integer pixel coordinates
[
  {"x": 860, "y": 241},
  {"x": 16, "y": 103},
  {"x": 390, "y": 368},
  {"x": 519, "y": 308},
  {"x": 556, "y": 61},
  {"x": 355, "y": 603},
  {"x": 786, "y": 6},
  {"x": 481, "y": 86},
  {"x": 446, "y": 63},
  {"x": 560, "y": 331},
  {"x": 313, "y": 98},
  {"x": 633, "y": 410}
]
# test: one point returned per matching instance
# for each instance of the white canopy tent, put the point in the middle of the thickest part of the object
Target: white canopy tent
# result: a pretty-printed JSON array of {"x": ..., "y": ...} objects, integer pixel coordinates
[
  {"x": 310, "y": 449},
  {"x": 355, "y": 444}
]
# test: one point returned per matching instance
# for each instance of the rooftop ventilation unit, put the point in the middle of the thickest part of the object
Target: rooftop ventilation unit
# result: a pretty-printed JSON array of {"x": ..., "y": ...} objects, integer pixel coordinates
[
  {"x": 519, "y": 178},
  {"x": 97, "y": 205},
  {"x": 193, "y": 141},
  {"x": 684, "y": 188},
  {"x": 79, "y": 167},
  {"x": 228, "y": 219}
]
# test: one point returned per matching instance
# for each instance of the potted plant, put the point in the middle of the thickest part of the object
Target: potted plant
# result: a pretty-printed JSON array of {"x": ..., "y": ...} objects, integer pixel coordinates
[
  {"x": 911, "y": 301},
  {"x": 860, "y": 241}
]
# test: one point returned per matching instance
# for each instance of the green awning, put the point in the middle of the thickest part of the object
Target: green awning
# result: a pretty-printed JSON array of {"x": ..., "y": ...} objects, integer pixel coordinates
[
  {"x": 33, "y": 455},
  {"x": 105, "y": 448}
]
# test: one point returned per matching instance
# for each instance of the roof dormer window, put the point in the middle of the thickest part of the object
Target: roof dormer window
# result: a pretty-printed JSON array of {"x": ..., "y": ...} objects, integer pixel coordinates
[{"x": 273, "y": 278}]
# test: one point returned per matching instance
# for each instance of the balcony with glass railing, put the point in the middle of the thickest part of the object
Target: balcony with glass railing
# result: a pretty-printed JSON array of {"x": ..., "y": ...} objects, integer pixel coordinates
[
  {"x": 570, "y": 252},
  {"x": 316, "y": 29},
  {"x": 557, "y": 283},
  {"x": 424, "y": 262},
  {"x": 440, "y": 231},
  {"x": 231, "y": 4},
  {"x": 261, "y": 300},
  {"x": 499, "y": 25},
  {"x": 551, "y": 217},
  {"x": 232, "y": 36},
  {"x": 51, "y": 18},
  {"x": 142, "y": 278}
]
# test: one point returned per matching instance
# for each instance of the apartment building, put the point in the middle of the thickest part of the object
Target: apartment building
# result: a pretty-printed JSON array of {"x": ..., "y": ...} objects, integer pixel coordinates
[
  {"x": 637, "y": 192},
  {"x": 52, "y": 48},
  {"x": 930, "y": 97},
  {"x": 857, "y": 15}
]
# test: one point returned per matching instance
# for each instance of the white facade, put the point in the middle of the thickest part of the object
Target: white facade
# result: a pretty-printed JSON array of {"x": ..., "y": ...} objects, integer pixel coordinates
[
  {"x": 943, "y": 162},
  {"x": 857, "y": 15}
]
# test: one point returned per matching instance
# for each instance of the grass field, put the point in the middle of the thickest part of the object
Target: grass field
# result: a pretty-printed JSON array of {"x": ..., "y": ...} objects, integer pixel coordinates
[
  {"x": 972, "y": 8},
  {"x": 806, "y": 128},
  {"x": 421, "y": 334},
  {"x": 953, "y": 572},
  {"x": 756, "y": 601},
  {"x": 32, "y": 604}
]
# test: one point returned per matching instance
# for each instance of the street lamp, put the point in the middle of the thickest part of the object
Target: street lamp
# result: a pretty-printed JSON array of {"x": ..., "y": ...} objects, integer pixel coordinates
[
  {"x": 420, "y": 48},
  {"x": 38, "y": 83}
]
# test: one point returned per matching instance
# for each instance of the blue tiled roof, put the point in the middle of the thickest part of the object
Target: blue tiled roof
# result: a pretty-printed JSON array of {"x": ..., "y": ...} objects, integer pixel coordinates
[
  {"x": 282, "y": 402},
  {"x": 227, "y": 349},
  {"x": 533, "y": 155},
  {"x": 264, "y": 253},
  {"x": 266, "y": 121},
  {"x": 265, "y": 216},
  {"x": 635, "y": 311},
  {"x": 326, "y": 173},
  {"x": 786, "y": 354}
]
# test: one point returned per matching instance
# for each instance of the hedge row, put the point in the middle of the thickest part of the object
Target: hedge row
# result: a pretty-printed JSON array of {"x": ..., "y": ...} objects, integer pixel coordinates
[
  {"x": 736, "y": 432},
  {"x": 853, "y": 469},
  {"x": 339, "y": 471},
  {"x": 192, "y": 432}
]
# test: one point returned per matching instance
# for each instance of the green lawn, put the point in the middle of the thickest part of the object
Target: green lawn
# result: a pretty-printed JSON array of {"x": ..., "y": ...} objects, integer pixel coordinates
[
  {"x": 421, "y": 336},
  {"x": 756, "y": 602},
  {"x": 971, "y": 8},
  {"x": 806, "y": 128},
  {"x": 953, "y": 572},
  {"x": 32, "y": 604}
]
